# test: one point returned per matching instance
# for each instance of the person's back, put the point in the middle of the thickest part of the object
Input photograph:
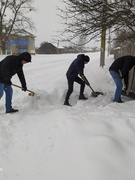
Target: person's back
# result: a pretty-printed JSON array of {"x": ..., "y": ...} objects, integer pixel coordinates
[
  {"x": 124, "y": 63},
  {"x": 76, "y": 66},
  {"x": 10, "y": 64}
]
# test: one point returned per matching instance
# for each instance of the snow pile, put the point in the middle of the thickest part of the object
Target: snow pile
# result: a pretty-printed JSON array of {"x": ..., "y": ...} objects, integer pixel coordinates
[{"x": 93, "y": 139}]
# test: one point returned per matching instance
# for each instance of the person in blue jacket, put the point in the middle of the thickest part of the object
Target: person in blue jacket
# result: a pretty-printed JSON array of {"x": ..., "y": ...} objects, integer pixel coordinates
[
  {"x": 10, "y": 66},
  {"x": 119, "y": 71},
  {"x": 76, "y": 68}
]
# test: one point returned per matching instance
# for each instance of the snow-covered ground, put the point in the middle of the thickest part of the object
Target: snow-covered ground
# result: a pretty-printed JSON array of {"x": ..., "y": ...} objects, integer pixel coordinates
[{"x": 45, "y": 140}]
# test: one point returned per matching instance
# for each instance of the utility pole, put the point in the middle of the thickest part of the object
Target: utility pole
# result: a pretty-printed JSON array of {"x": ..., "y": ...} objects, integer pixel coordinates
[{"x": 103, "y": 36}]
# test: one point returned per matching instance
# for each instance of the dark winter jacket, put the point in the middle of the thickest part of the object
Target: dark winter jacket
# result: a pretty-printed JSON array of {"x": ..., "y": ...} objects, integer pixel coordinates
[
  {"x": 10, "y": 66},
  {"x": 124, "y": 64},
  {"x": 76, "y": 67}
]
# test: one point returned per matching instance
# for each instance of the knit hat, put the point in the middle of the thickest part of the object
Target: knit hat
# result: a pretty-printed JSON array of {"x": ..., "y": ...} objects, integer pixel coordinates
[{"x": 25, "y": 56}]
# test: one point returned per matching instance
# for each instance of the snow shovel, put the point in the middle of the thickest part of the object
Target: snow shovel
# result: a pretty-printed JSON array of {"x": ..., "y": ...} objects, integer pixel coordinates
[
  {"x": 31, "y": 93},
  {"x": 123, "y": 82},
  {"x": 95, "y": 93}
]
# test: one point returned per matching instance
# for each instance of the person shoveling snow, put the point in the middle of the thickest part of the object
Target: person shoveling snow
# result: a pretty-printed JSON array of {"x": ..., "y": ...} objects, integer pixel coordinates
[{"x": 10, "y": 66}]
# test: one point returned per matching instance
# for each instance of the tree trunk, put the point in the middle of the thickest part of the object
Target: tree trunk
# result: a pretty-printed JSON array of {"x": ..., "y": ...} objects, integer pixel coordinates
[
  {"x": 3, "y": 47},
  {"x": 102, "y": 51}
]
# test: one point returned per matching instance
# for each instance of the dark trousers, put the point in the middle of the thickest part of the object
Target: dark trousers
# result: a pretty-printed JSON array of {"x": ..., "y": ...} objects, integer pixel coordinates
[{"x": 71, "y": 84}]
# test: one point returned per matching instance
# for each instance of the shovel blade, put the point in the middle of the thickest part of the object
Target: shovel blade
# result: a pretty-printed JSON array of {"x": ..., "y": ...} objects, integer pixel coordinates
[
  {"x": 95, "y": 94},
  {"x": 31, "y": 94}
]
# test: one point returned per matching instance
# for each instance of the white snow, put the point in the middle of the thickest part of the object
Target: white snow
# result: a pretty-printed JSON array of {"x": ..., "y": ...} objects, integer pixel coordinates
[{"x": 45, "y": 140}]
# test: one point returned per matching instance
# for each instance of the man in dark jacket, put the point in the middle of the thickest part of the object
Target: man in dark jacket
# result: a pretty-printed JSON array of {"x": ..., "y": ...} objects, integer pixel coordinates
[
  {"x": 119, "y": 71},
  {"x": 10, "y": 66},
  {"x": 76, "y": 68}
]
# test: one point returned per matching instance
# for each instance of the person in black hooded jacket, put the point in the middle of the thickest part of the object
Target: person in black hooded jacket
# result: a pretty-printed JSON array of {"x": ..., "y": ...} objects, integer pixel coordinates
[
  {"x": 10, "y": 66},
  {"x": 76, "y": 68},
  {"x": 119, "y": 70}
]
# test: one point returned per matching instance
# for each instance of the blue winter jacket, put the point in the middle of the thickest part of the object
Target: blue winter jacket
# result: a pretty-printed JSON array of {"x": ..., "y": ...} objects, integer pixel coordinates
[{"x": 76, "y": 67}]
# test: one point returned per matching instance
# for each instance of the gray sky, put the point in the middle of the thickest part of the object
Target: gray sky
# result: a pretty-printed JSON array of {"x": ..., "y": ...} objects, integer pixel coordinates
[{"x": 46, "y": 20}]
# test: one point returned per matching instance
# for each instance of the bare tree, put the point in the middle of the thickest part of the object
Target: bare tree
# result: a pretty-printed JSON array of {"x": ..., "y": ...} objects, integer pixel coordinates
[
  {"x": 80, "y": 43},
  {"x": 124, "y": 37},
  {"x": 13, "y": 19},
  {"x": 88, "y": 17}
]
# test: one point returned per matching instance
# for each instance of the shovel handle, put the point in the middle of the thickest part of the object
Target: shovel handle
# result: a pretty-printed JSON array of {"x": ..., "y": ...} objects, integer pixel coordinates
[
  {"x": 31, "y": 93},
  {"x": 92, "y": 89}
]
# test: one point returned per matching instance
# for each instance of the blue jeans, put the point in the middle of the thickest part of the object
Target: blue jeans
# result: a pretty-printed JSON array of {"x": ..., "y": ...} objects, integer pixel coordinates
[
  {"x": 118, "y": 81},
  {"x": 9, "y": 92}
]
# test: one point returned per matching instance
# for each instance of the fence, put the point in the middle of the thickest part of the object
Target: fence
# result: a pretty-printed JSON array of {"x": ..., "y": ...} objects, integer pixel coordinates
[{"x": 6, "y": 53}]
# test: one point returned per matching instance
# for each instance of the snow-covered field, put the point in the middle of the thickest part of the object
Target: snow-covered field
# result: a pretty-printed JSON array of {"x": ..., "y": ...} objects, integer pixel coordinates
[{"x": 92, "y": 140}]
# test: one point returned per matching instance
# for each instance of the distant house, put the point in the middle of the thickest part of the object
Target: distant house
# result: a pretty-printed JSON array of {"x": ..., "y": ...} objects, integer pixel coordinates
[
  {"x": 71, "y": 49},
  {"x": 16, "y": 44},
  {"x": 60, "y": 49},
  {"x": 49, "y": 48}
]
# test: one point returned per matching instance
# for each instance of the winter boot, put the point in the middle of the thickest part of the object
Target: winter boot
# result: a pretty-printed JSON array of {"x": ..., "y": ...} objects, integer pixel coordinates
[
  {"x": 120, "y": 101},
  {"x": 82, "y": 97},
  {"x": 67, "y": 103},
  {"x": 12, "y": 111}
]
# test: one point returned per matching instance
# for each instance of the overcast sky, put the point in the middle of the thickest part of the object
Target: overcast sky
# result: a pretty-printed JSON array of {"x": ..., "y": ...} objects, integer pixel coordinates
[{"x": 46, "y": 20}]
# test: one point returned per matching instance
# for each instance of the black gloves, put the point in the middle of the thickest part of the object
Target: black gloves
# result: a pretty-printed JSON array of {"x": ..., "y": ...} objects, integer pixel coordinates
[
  {"x": 87, "y": 83},
  {"x": 121, "y": 77},
  {"x": 24, "y": 88}
]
